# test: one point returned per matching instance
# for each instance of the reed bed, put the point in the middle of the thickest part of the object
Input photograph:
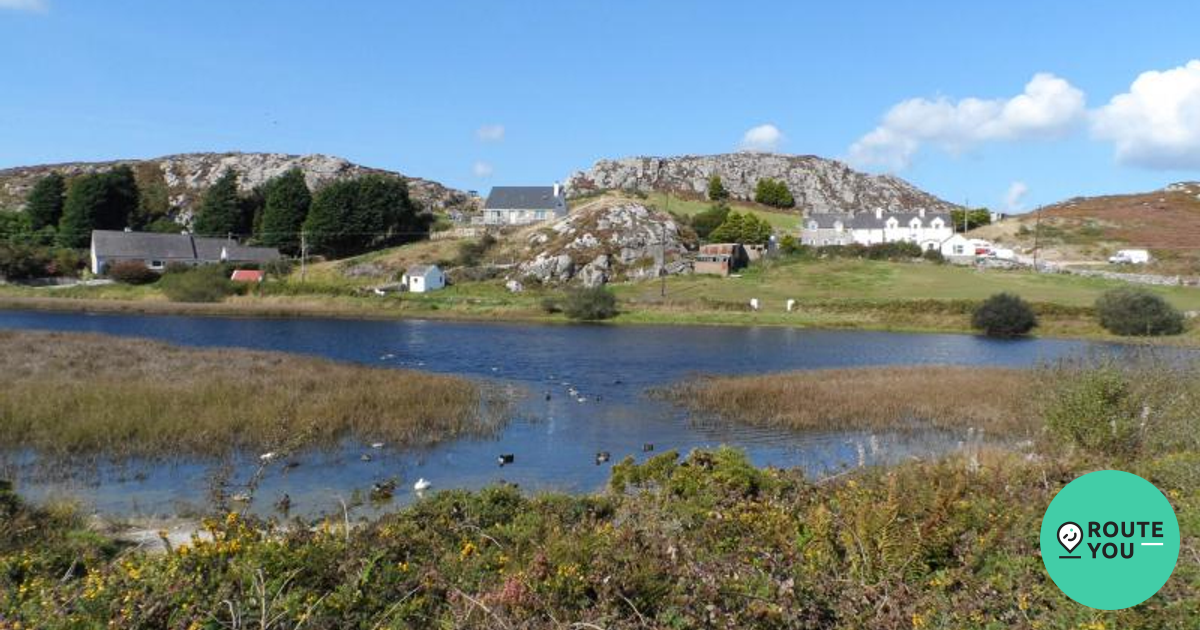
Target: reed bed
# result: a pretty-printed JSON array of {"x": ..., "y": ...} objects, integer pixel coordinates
[
  {"x": 67, "y": 393},
  {"x": 994, "y": 400}
]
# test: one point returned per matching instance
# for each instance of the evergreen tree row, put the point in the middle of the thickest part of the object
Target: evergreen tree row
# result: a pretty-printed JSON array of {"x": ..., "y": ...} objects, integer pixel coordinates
[{"x": 344, "y": 218}]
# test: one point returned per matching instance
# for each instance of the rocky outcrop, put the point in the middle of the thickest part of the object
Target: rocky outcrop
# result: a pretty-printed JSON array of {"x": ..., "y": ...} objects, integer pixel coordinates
[
  {"x": 187, "y": 176},
  {"x": 818, "y": 184},
  {"x": 605, "y": 241}
]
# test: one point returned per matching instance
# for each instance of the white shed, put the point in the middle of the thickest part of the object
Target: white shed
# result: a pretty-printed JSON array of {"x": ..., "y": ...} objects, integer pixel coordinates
[
  {"x": 958, "y": 247},
  {"x": 423, "y": 278}
]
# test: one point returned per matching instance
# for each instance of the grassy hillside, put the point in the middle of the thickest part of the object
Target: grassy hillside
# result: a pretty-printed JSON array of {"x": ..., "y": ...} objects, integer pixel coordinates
[
  {"x": 1167, "y": 222},
  {"x": 878, "y": 280},
  {"x": 785, "y": 222},
  {"x": 372, "y": 267}
]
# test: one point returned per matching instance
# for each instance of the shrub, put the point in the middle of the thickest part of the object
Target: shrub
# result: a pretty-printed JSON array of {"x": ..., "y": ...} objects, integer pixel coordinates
[
  {"x": 201, "y": 284},
  {"x": 897, "y": 250},
  {"x": 470, "y": 253},
  {"x": 716, "y": 189},
  {"x": 774, "y": 193},
  {"x": 131, "y": 272},
  {"x": 934, "y": 256},
  {"x": 1004, "y": 315},
  {"x": 1137, "y": 311},
  {"x": 278, "y": 268},
  {"x": 1094, "y": 409},
  {"x": 22, "y": 262},
  {"x": 705, "y": 222},
  {"x": 592, "y": 304}
]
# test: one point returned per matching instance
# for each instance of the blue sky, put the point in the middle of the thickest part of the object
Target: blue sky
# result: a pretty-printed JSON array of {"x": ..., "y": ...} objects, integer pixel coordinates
[{"x": 480, "y": 93}]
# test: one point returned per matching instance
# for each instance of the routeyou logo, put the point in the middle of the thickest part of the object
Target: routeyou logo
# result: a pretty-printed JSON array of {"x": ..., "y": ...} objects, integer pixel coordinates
[{"x": 1110, "y": 540}]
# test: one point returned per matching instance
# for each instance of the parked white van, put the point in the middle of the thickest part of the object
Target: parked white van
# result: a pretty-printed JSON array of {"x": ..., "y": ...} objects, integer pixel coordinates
[{"x": 1130, "y": 257}]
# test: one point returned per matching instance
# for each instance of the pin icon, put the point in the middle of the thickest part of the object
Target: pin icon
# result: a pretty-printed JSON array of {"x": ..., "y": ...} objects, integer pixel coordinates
[{"x": 1069, "y": 536}]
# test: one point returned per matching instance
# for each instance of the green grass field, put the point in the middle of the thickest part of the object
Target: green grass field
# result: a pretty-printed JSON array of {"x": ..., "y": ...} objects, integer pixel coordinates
[
  {"x": 842, "y": 293},
  {"x": 877, "y": 280}
]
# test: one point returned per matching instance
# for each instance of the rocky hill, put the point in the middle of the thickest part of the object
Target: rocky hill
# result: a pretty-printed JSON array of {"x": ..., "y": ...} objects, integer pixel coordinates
[
  {"x": 818, "y": 184},
  {"x": 606, "y": 240},
  {"x": 187, "y": 175}
]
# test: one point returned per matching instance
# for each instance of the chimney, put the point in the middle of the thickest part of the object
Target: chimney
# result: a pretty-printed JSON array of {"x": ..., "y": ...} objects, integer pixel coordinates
[
  {"x": 878, "y": 213},
  {"x": 921, "y": 213},
  {"x": 555, "y": 189}
]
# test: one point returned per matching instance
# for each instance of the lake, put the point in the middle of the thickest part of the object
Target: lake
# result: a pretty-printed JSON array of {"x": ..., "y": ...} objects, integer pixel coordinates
[{"x": 554, "y": 441}]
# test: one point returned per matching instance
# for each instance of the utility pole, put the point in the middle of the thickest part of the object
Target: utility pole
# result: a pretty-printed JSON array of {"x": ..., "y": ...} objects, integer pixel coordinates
[
  {"x": 303, "y": 253},
  {"x": 662, "y": 265},
  {"x": 1037, "y": 235}
]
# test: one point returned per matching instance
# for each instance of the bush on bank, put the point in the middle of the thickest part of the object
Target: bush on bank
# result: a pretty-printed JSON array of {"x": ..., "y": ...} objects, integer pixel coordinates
[
  {"x": 207, "y": 283},
  {"x": 1004, "y": 315},
  {"x": 1135, "y": 311}
]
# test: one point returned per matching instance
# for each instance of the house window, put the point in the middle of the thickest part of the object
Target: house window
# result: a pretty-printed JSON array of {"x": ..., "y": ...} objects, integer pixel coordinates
[
  {"x": 156, "y": 264},
  {"x": 958, "y": 250}
]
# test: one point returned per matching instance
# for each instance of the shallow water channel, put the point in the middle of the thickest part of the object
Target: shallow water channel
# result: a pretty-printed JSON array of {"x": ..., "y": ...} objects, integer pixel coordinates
[{"x": 553, "y": 441}]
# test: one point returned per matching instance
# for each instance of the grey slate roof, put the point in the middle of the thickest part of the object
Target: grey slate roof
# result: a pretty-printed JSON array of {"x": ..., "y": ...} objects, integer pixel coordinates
[
  {"x": 867, "y": 221},
  {"x": 418, "y": 270},
  {"x": 209, "y": 248},
  {"x": 149, "y": 245},
  {"x": 825, "y": 221},
  {"x": 168, "y": 247},
  {"x": 521, "y": 198},
  {"x": 245, "y": 253}
]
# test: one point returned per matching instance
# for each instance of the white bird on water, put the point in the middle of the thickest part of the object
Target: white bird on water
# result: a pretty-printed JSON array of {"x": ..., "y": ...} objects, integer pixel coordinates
[
  {"x": 268, "y": 456},
  {"x": 422, "y": 485}
]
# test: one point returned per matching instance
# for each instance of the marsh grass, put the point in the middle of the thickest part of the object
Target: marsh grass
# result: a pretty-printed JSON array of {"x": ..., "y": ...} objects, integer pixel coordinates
[
  {"x": 994, "y": 400},
  {"x": 67, "y": 394}
]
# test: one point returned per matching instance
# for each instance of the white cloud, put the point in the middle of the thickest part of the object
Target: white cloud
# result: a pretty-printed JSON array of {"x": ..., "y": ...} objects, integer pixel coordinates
[
  {"x": 762, "y": 138},
  {"x": 37, "y": 6},
  {"x": 1049, "y": 107},
  {"x": 1156, "y": 124},
  {"x": 482, "y": 169},
  {"x": 1014, "y": 199},
  {"x": 488, "y": 133}
]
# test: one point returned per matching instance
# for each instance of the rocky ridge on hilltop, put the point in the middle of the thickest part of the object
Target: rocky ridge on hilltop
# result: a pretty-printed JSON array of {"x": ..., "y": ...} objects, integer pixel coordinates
[{"x": 818, "y": 184}]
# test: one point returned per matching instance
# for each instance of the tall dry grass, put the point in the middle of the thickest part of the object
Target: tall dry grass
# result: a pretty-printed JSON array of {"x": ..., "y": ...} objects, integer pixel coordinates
[
  {"x": 66, "y": 393},
  {"x": 995, "y": 400}
]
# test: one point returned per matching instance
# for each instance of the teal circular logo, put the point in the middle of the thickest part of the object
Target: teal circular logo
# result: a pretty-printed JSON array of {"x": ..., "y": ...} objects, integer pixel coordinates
[{"x": 1110, "y": 540}]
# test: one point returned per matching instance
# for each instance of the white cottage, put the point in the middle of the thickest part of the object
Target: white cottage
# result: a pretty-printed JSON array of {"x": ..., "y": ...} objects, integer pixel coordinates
[
  {"x": 958, "y": 248},
  {"x": 523, "y": 205},
  {"x": 423, "y": 278},
  {"x": 927, "y": 229}
]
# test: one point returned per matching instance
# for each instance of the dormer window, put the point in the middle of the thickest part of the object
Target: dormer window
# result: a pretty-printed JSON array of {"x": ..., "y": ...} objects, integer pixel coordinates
[
  {"x": 915, "y": 224},
  {"x": 937, "y": 224},
  {"x": 892, "y": 223},
  {"x": 812, "y": 225},
  {"x": 837, "y": 226}
]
